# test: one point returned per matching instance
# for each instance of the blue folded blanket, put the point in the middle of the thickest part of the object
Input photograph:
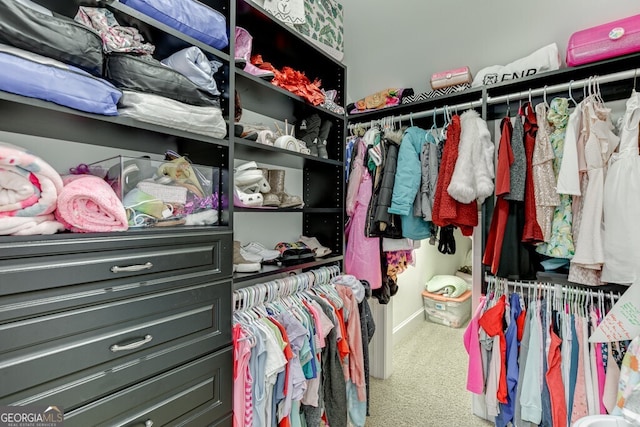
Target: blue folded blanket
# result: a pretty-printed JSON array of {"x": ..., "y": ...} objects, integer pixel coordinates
[{"x": 29, "y": 74}]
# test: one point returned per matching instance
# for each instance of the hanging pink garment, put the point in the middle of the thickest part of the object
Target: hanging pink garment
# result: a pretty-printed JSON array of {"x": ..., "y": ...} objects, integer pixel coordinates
[
  {"x": 475, "y": 373},
  {"x": 580, "y": 407},
  {"x": 612, "y": 379},
  {"x": 242, "y": 404},
  {"x": 362, "y": 255}
]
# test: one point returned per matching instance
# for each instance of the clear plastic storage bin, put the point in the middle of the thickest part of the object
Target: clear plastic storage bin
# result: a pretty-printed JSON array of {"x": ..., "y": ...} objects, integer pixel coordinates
[
  {"x": 453, "y": 312},
  {"x": 163, "y": 192}
]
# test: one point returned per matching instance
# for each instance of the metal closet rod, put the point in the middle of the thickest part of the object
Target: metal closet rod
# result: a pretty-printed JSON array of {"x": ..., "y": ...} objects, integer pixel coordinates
[
  {"x": 421, "y": 114},
  {"x": 563, "y": 87},
  {"x": 542, "y": 285}
]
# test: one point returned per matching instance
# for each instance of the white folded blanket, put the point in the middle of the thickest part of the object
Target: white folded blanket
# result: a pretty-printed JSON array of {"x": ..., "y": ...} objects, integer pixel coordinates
[
  {"x": 544, "y": 59},
  {"x": 146, "y": 107}
]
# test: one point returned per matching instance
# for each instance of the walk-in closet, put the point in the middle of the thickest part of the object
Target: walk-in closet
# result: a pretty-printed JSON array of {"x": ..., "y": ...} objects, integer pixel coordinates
[{"x": 319, "y": 213}]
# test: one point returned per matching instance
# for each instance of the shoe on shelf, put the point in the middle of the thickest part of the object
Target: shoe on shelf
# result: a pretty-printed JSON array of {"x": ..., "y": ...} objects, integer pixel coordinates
[
  {"x": 259, "y": 72},
  {"x": 276, "y": 180},
  {"x": 240, "y": 263},
  {"x": 244, "y": 42},
  {"x": 314, "y": 244},
  {"x": 269, "y": 198},
  {"x": 243, "y": 199},
  {"x": 323, "y": 135},
  {"x": 248, "y": 178},
  {"x": 260, "y": 250},
  {"x": 308, "y": 130},
  {"x": 250, "y": 256}
]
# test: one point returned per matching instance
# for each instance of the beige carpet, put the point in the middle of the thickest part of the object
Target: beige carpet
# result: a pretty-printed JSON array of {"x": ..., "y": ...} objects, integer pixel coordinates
[{"x": 427, "y": 387}]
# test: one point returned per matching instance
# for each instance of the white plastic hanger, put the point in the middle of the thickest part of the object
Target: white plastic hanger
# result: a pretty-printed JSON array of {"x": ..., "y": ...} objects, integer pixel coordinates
[{"x": 575, "y": 104}]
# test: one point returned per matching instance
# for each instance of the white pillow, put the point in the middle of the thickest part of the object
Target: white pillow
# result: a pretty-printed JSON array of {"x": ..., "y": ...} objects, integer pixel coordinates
[
  {"x": 448, "y": 285},
  {"x": 544, "y": 59}
]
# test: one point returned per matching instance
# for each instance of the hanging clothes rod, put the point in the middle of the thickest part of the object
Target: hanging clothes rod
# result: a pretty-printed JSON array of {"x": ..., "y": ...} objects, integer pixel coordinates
[
  {"x": 282, "y": 287},
  {"x": 563, "y": 87},
  {"x": 422, "y": 114},
  {"x": 541, "y": 285}
]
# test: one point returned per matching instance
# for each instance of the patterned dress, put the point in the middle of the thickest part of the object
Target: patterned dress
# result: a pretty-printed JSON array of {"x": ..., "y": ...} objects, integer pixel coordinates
[{"x": 560, "y": 244}]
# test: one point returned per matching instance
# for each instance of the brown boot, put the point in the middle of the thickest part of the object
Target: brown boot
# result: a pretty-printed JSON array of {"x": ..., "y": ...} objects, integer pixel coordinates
[
  {"x": 271, "y": 198},
  {"x": 276, "y": 180}
]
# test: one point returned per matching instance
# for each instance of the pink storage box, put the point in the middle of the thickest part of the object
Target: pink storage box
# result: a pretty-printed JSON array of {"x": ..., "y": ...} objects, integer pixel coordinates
[
  {"x": 451, "y": 78},
  {"x": 604, "y": 41}
]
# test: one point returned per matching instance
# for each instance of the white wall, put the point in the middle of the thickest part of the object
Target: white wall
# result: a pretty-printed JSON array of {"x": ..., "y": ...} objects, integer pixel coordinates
[
  {"x": 407, "y": 303},
  {"x": 401, "y": 43}
]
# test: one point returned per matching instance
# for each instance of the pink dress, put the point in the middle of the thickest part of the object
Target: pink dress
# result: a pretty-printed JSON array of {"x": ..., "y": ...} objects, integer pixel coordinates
[
  {"x": 242, "y": 403},
  {"x": 580, "y": 408},
  {"x": 475, "y": 373},
  {"x": 362, "y": 256}
]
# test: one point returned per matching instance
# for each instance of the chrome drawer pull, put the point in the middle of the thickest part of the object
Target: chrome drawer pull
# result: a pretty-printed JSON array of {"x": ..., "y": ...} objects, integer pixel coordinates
[
  {"x": 133, "y": 345},
  {"x": 147, "y": 423},
  {"x": 139, "y": 267}
]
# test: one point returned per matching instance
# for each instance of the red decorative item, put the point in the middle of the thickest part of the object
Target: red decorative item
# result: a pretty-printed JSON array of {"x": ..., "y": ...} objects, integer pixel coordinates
[{"x": 292, "y": 80}]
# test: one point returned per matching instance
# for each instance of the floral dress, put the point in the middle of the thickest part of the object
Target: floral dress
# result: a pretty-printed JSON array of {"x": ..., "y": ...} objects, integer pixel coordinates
[{"x": 560, "y": 245}]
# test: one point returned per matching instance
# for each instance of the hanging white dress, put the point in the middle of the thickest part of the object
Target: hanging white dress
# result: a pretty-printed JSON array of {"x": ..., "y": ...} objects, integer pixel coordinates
[
  {"x": 599, "y": 147},
  {"x": 622, "y": 203}
]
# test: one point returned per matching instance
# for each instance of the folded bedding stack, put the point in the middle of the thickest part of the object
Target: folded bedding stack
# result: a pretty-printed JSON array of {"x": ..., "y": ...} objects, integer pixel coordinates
[
  {"x": 29, "y": 188},
  {"x": 50, "y": 57},
  {"x": 179, "y": 92},
  {"x": 88, "y": 204},
  {"x": 167, "y": 104}
]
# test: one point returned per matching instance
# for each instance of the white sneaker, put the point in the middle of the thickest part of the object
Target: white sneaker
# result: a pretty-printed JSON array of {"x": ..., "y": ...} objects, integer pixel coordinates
[
  {"x": 240, "y": 263},
  {"x": 257, "y": 249},
  {"x": 250, "y": 256}
]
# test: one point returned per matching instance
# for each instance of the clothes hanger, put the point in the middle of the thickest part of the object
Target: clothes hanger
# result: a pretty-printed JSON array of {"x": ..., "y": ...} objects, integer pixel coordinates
[
  {"x": 508, "y": 107},
  {"x": 434, "y": 125},
  {"x": 520, "y": 104},
  {"x": 635, "y": 75},
  {"x": 411, "y": 119},
  {"x": 599, "y": 91},
  {"x": 544, "y": 96},
  {"x": 584, "y": 90},
  {"x": 575, "y": 104}
]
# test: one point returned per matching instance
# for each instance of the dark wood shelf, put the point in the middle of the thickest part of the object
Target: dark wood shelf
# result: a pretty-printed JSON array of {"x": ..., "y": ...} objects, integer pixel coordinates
[
  {"x": 253, "y": 80},
  {"x": 68, "y": 124},
  {"x": 282, "y": 46},
  {"x": 469, "y": 95},
  {"x": 241, "y": 280},
  {"x": 116, "y": 5},
  {"x": 262, "y": 153}
]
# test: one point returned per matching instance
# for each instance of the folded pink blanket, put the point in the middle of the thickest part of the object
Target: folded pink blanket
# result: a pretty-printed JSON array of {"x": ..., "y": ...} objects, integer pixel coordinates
[
  {"x": 29, "y": 189},
  {"x": 28, "y": 185},
  {"x": 29, "y": 226},
  {"x": 87, "y": 204}
]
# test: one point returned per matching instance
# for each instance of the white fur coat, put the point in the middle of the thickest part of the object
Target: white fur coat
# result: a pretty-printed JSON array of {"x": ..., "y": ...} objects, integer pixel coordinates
[{"x": 474, "y": 171}]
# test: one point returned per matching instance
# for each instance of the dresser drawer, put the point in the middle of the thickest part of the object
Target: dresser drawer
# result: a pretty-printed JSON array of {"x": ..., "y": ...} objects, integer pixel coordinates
[
  {"x": 166, "y": 398},
  {"x": 33, "y": 265},
  {"x": 47, "y": 348}
]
